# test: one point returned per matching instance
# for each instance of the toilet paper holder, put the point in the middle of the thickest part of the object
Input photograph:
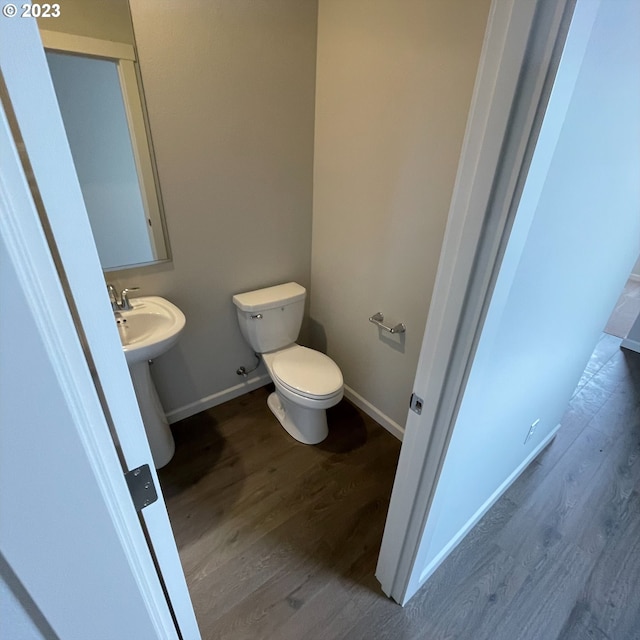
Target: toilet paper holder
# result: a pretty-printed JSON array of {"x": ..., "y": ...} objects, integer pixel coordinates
[{"x": 378, "y": 318}]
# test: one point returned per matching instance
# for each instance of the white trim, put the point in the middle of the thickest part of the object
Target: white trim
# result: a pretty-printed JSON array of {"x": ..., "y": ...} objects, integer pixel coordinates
[
  {"x": 476, "y": 517},
  {"x": 70, "y": 43},
  {"x": 632, "y": 345},
  {"x": 28, "y": 251},
  {"x": 132, "y": 99},
  {"x": 373, "y": 412},
  {"x": 521, "y": 51},
  {"x": 634, "y": 277},
  {"x": 217, "y": 398}
]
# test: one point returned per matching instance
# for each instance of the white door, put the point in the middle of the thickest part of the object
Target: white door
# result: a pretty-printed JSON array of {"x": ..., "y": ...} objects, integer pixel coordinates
[
  {"x": 80, "y": 293},
  {"x": 65, "y": 515}
]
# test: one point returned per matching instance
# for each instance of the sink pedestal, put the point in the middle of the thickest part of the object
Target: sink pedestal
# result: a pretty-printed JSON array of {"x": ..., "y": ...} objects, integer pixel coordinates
[
  {"x": 149, "y": 328},
  {"x": 155, "y": 422}
]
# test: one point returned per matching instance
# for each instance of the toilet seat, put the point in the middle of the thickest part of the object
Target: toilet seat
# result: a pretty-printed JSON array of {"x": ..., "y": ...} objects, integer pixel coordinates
[{"x": 307, "y": 373}]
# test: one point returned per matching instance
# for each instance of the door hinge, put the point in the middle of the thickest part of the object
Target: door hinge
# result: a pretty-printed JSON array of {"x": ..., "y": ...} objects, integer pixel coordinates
[
  {"x": 140, "y": 482},
  {"x": 416, "y": 403}
]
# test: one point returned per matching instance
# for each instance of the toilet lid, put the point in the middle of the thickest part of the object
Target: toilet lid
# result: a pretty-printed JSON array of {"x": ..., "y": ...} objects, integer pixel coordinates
[{"x": 307, "y": 372}]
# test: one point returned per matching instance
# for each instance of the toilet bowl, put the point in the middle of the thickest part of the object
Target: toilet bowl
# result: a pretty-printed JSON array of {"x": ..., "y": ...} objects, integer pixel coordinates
[{"x": 307, "y": 382}]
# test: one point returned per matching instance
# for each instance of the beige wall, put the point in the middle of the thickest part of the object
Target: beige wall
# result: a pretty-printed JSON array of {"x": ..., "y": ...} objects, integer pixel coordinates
[
  {"x": 229, "y": 86},
  {"x": 102, "y": 19},
  {"x": 394, "y": 82}
]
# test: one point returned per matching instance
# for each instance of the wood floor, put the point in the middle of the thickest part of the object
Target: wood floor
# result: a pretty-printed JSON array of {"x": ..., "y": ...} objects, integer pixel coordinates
[{"x": 280, "y": 541}]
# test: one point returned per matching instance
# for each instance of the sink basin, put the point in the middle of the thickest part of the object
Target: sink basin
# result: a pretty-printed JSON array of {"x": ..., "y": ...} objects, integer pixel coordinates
[{"x": 150, "y": 328}]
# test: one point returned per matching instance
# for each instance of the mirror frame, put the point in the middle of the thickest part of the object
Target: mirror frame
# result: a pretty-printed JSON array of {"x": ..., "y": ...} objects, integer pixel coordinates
[{"x": 124, "y": 55}]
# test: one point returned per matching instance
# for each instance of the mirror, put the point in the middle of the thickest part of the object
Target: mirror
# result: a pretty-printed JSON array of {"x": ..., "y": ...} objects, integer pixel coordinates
[{"x": 91, "y": 55}]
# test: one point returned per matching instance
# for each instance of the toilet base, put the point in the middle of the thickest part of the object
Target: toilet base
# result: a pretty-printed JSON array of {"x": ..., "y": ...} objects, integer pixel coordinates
[{"x": 308, "y": 426}]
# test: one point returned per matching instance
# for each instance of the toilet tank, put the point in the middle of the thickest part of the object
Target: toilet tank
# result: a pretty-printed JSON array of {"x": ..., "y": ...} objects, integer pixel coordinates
[{"x": 270, "y": 319}]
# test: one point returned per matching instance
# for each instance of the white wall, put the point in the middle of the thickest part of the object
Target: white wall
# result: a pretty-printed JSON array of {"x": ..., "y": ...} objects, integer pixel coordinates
[
  {"x": 394, "y": 83},
  {"x": 230, "y": 92},
  {"x": 575, "y": 239}
]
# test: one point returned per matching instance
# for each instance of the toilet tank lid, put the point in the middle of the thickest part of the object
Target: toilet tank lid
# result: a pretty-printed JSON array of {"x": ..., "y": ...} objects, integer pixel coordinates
[{"x": 269, "y": 298}]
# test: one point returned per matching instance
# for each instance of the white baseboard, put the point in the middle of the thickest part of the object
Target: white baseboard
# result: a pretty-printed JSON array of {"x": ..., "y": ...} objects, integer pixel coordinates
[
  {"x": 383, "y": 420},
  {"x": 633, "y": 345},
  {"x": 217, "y": 398},
  {"x": 475, "y": 518},
  {"x": 260, "y": 381},
  {"x": 635, "y": 277}
]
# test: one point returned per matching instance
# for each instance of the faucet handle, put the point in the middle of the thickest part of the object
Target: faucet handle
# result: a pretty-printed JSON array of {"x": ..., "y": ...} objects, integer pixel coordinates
[
  {"x": 125, "y": 305},
  {"x": 113, "y": 297}
]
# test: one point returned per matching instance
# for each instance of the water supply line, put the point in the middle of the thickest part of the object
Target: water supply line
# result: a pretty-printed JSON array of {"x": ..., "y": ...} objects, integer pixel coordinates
[{"x": 242, "y": 371}]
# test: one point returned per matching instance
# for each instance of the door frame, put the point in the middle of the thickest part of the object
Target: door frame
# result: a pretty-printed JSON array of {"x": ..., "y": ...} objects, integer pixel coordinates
[
  {"x": 28, "y": 255},
  {"x": 39, "y": 132},
  {"x": 521, "y": 51},
  {"x": 520, "y": 56}
]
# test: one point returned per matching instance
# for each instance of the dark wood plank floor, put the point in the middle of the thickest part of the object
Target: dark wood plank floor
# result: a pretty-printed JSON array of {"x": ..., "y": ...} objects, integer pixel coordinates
[{"x": 280, "y": 541}]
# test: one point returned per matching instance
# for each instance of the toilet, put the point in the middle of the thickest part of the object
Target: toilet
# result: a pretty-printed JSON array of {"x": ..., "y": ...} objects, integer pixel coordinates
[{"x": 307, "y": 382}]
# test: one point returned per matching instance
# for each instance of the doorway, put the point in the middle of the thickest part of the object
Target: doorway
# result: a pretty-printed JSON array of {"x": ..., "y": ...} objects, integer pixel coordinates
[{"x": 542, "y": 321}]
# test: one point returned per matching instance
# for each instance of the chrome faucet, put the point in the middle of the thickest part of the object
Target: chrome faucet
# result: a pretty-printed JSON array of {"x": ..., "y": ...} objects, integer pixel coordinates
[
  {"x": 114, "y": 297},
  {"x": 120, "y": 302},
  {"x": 125, "y": 305}
]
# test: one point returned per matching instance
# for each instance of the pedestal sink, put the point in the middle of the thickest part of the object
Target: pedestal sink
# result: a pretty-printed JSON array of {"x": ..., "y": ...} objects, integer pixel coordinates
[{"x": 151, "y": 327}]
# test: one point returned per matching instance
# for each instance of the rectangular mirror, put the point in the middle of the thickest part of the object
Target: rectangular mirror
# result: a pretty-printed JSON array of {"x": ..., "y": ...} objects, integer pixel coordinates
[{"x": 91, "y": 55}]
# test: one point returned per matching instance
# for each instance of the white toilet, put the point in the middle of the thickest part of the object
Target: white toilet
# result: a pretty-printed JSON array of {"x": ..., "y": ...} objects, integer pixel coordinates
[{"x": 307, "y": 382}]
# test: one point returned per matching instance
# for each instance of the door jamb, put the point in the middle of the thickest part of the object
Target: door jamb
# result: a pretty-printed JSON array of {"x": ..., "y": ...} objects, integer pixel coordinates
[
  {"x": 521, "y": 52},
  {"x": 28, "y": 252}
]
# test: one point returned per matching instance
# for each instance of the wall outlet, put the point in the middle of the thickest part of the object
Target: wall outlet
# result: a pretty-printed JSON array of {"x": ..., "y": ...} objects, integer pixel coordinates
[{"x": 532, "y": 428}]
